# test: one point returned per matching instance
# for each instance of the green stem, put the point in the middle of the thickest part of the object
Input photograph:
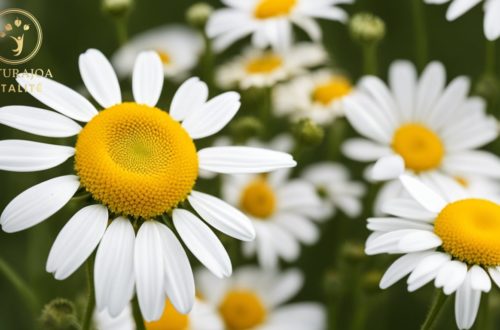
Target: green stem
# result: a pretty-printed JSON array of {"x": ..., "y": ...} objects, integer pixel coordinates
[
  {"x": 370, "y": 59},
  {"x": 139, "y": 321},
  {"x": 265, "y": 110},
  {"x": 208, "y": 62},
  {"x": 420, "y": 33},
  {"x": 489, "y": 67},
  {"x": 89, "y": 310},
  {"x": 335, "y": 135},
  {"x": 437, "y": 305},
  {"x": 24, "y": 291},
  {"x": 121, "y": 30}
]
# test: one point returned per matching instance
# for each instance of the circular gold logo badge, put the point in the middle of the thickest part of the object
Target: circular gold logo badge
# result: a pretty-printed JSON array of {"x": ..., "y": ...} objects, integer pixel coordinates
[{"x": 20, "y": 36}]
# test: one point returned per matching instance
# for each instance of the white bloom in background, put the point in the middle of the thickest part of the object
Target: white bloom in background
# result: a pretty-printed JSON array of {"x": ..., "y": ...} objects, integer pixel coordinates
[
  {"x": 255, "y": 299},
  {"x": 270, "y": 21},
  {"x": 140, "y": 163},
  {"x": 318, "y": 96},
  {"x": 450, "y": 239},
  {"x": 333, "y": 184},
  {"x": 491, "y": 13},
  {"x": 123, "y": 321},
  {"x": 264, "y": 68},
  {"x": 179, "y": 49}
]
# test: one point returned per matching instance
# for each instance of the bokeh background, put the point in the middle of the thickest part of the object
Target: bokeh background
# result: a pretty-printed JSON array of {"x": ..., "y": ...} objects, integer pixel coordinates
[{"x": 337, "y": 273}]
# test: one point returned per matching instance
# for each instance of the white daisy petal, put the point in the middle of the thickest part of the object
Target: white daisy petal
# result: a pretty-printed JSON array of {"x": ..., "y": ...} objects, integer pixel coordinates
[
  {"x": 310, "y": 26},
  {"x": 492, "y": 20},
  {"x": 222, "y": 216},
  {"x": 190, "y": 97},
  {"x": 234, "y": 160},
  {"x": 38, "y": 203},
  {"x": 466, "y": 304},
  {"x": 403, "y": 82},
  {"x": 390, "y": 224},
  {"x": 430, "y": 86},
  {"x": 297, "y": 316},
  {"x": 29, "y": 156},
  {"x": 100, "y": 78},
  {"x": 388, "y": 167},
  {"x": 386, "y": 242},
  {"x": 419, "y": 240},
  {"x": 426, "y": 270},
  {"x": 147, "y": 79},
  {"x": 38, "y": 121},
  {"x": 284, "y": 288},
  {"x": 364, "y": 150},
  {"x": 58, "y": 97},
  {"x": 422, "y": 194},
  {"x": 202, "y": 242},
  {"x": 479, "y": 279},
  {"x": 407, "y": 208},
  {"x": 363, "y": 122},
  {"x": 77, "y": 240},
  {"x": 495, "y": 275},
  {"x": 474, "y": 162},
  {"x": 451, "y": 276},
  {"x": 401, "y": 267},
  {"x": 300, "y": 227},
  {"x": 458, "y": 7}
]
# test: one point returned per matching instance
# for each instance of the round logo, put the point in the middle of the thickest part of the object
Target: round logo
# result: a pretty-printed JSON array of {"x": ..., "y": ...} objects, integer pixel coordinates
[{"x": 20, "y": 36}]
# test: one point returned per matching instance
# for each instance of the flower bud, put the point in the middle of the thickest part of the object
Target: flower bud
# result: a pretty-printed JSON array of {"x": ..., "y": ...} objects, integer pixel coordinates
[
  {"x": 197, "y": 15},
  {"x": 307, "y": 132},
  {"x": 246, "y": 127},
  {"x": 366, "y": 28},
  {"x": 117, "y": 8},
  {"x": 59, "y": 314},
  {"x": 488, "y": 87}
]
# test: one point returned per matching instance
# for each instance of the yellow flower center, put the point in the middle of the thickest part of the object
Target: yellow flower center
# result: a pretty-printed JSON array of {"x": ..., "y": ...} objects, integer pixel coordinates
[
  {"x": 164, "y": 57},
  {"x": 242, "y": 310},
  {"x": 334, "y": 89},
  {"x": 470, "y": 231},
  {"x": 420, "y": 147},
  {"x": 170, "y": 320},
  {"x": 264, "y": 64},
  {"x": 274, "y": 8},
  {"x": 258, "y": 199},
  {"x": 136, "y": 160}
]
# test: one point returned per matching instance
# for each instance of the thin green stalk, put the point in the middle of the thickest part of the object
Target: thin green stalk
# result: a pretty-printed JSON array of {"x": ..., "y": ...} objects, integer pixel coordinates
[
  {"x": 437, "y": 305},
  {"x": 89, "y": 310},
  {"x": 266, "y": 107},
  {"x": 139, "y": 321},
  {"x": 121, "y": 30},
  {"x": 421, "y": 40},
  {"x": 208, "y": 62},
  {"x": 489, "y": 67},
  {"x": 370, "y": 59},
  {"x": 24, "y": 291},
  {"x": 335, "y": 134}
]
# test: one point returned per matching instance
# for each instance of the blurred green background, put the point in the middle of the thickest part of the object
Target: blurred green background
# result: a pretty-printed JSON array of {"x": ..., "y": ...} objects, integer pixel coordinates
[{"x": 334, "y": 271}]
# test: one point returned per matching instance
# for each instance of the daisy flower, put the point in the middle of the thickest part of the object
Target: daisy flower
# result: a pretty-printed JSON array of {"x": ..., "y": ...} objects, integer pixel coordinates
[
  {"x": 451, "y": 239},
  {"x": 491, "y": 16},
  {"x": 270, "y": 21},
  {"x": 254, "y": 299},
  {"x": 419, "y": 125},
  {"x": 318, "y": 96},
  {"x": 179, "y": 49},
  {"x": 333, "y": 184},
  {"x": 264, "y": 68},
  {"x": 140, "y": 165}
]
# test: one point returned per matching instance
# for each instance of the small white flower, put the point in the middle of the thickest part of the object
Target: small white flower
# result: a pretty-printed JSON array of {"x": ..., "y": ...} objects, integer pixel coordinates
[
  {"x": 260, "y": 68},
  {"x": 270, "y": 21},
  {"x": 318, "y": 96},
  {"x": 255, "y": 299}
]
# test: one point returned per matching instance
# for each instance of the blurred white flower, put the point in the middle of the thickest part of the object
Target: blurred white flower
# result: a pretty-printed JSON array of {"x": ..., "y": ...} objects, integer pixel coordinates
[
  {"x": 451, "y": 239},
  {"x": 179, "y": 49},
  {"x": 491, "y": 16},
  {"x": 261, "y": 68},
  {"x": 255, "y": 299},
  {"x": 270, "y": 21},
  {"x": 318, "y": 96}
]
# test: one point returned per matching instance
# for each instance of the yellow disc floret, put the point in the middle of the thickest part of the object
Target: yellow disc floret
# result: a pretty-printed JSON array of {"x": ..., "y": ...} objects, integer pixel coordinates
[
  {"x": 170, "y": 320},
  {"x": 470, "y": 231},
  {"x": 421, "y": 148},
  {"x": 266, "y": 63},
  {"x": 136, "y": 160},
  {"x": 274, "y": 8},
  {"x": 164, "y": 57},
  {"x": 258, "y": 199},
  {"x": 332, "y": 90},
  {"x": 242, "y": 310}
]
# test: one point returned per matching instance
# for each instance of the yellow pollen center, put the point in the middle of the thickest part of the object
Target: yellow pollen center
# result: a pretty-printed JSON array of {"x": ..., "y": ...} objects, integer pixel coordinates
[
  {"x": 334, "y": 89},
  {"x": 470, "y": 231},
  {"x": 274, "y": 8},
  {"x": 164, "y": 57},
  {"x": 170, "y": 320},
  {"x": 137, "y": 160},
  {"x": 420, "y": 147},
  {"x": 264, "y": 64},
  {"x": 258, "y": 199},
  {"x": 242, "y": 310}
]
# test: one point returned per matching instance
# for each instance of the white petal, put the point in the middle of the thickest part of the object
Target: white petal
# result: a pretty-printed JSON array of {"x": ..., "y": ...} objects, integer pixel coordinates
[
  {"x": 212, "y": 116},
  {"x": 466, "y": 304},
  {"x": 388, "y": 167},
  {"x": 390, "y": 224},
  {"x": 77, "y": 240},
  {"x": 458, "y": 7},
  {"x": 492, "y": 20},
  {"x": 401, "y": 267},
  {"x": 407, "y": 208},
  {"x": 430, "y": 87},
  {"x": 364, "y": 150},
  {"x": 474, "y": 162},
  {"x": 38, "y": 121},
  {"x": 403, "y": 82},
  {"x": 234, "y": 160},
  {"x": 114, "y": 267},
  {"x": 451, "y": 276},
  {"x": 300, "y": 227},
  {"x": 426, "y": 270},
  {"x": 100, "y": 78},
  {"x": 422, "y": 194},
  {"x": 147, "y": 79},
  {"x": 284, "y": 288},
  {"x": 310, "y": 26},
  {"x": 202, "y": 242},
  {"x": 419, "y": 240},
  {"x": 190, "y": 97},
  {"x": 222, "y": 216},
  {"x": 386, "y": 242},
  {"x": 58, "y": 97},
  {"x": 479, "y": 279},
  {"x": 38, "y": 203},
  {"x": 495, "y": 275},
  {"x": 28, "y": 156}
]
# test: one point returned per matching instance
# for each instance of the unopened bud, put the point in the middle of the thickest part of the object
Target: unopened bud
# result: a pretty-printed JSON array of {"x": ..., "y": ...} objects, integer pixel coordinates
[
  {"x": 59, "y": 314},
  {"x": 366, "y": 28},
  {"x": 488, "y": 87},
  {"x": 246, "y": 127},
  {"x": 307, "y": 132},
  {"x": 197, "y": 15},
  {"x": 117, "y": 8}
]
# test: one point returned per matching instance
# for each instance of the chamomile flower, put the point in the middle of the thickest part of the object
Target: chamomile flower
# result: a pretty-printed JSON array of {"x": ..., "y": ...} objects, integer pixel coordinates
[
  {"x": 255, "y": 299},
  {"x": 264, "y": 68},
  {"x": 419, "y": 125},
  {"x": 139, "y": 164},
  {"x": 333, "y": 184},
  {"x": 270, "y": 21},
  {"x": 491, "y": 13},
  {"x": 318, "y": 96},
  {"x": 451, "y": 239},
  {"x": 179, "y": 49}
]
